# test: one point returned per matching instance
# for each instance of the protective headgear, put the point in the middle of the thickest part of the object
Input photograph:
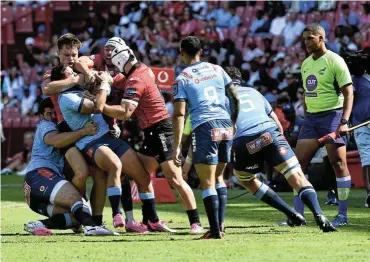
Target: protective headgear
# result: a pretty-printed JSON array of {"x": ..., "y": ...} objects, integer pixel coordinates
[{"x": 121, "y": 54}]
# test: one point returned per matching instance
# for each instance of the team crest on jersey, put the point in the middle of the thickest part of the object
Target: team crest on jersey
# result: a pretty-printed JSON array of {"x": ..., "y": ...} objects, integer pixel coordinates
[
  {"x": 219, "y": 134},
  {"x": 130, "y": 91},
  {"x": 175, "y": 88},
  {"x": 186, "y": 75},
  {"x": 322, "y": 71},
  {"x": 256, "y": 145}
]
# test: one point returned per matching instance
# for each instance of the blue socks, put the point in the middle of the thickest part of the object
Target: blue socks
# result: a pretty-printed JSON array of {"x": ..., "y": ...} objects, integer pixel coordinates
[
  {"x": 344, "y": 187},
  {"x": 222, "y": 199},
  {"x": 298, "y": 204},
  {"x": 211, "y": 204},
  {"x": 309, "y": 197},
  {"x": 267, "y": 195}
]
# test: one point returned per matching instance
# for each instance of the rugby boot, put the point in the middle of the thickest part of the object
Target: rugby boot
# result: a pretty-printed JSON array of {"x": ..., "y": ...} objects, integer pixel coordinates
[
  {"x": 324, "y": 223},
  {"x": 160, "y": 226}
]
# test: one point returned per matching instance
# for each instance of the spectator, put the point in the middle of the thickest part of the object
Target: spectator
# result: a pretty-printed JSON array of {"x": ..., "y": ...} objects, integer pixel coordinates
[
  {"x": 278, "y": 64},
  {"x": 125, "y": 29},
  {"x": 258, "y": 22},
  {"x": 41, "y": 40},
  {"x": 281, "y": 101},
  {"x": 306, "y": 6},
  {"x": 53, "y": 51},
  {"x": 38, "y": 100},
  {"x": 218, "y": 52},
  {"x": 358, "y": 40},
  {"x": 278, "y": 23},
  {"x": 348, "y": 18},
  {"x": 13, "y": 83},
  {"x": 32, "y": 52},
  {"x": 254, "y": 73},
  {"x": 27, "y": 102},
  {"x": 252, "y": 51},
  {"x": 189, "y": 25},
  {"x": 299, "y": 104},
  {"x": 365, "y": 18},
  {"x": 86, "y": 42},
  {"x": 20, "y": 160},
  {"x": 326, "y": 5},
  {"x": 235, "y": 20},
  {"x": 233, "y": 55},
  {"x": 293, "y": 29},
  {"x": 318, "y": 19},
  {"x": 292, "y": 85},
  {"x": 223, "y": 15}
]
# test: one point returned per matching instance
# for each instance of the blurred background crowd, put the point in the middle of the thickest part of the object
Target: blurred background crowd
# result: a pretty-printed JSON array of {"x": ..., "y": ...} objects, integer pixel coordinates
[{"x": 262, "y": 38}]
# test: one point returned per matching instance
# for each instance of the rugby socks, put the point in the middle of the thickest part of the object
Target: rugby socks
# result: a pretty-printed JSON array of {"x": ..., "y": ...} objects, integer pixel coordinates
[
  {"x": 267, "y": 195},
  {"x": 193, "y": 216},
  {"x": 114, "y": 195},
  {"x": 80, "y": 215},
  {"x": 222, "y": 199},
  {"x": 148, "y": 208},
  {"x": 344, "y": 186},
  {"x": 298, "y": 204},
  {"x": 59, "y": 221},
  {"x": 210, "y": 201},
  {"x": 126, "y": 200},
  {"x": 98, "y": 220},
  {"x": 309, "y": 197}
]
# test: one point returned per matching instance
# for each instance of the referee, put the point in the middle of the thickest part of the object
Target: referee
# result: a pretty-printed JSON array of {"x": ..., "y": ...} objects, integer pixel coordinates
[{"x": 328, "y": 104}]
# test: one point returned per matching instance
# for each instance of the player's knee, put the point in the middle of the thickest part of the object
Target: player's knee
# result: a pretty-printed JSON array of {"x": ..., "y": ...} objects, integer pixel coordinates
[
  {"x": 116, "y": 167},
  {"x": 174, "y": 182}
]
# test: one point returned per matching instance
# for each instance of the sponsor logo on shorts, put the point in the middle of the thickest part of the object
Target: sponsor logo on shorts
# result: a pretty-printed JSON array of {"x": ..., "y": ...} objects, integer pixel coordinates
[
  {"x": 219, "y": 134},
  {"x": 130, "y": 91},
  {"x": 42, "y": 188},
  {"x": 45, "y": 173},
  {"x": 163, "y": 139},
  {"x": 311, "y": 82},
  {"x": 251, "y": 167},
  {"x": 259, "y": 143},
  {"x": 283, "y": 151},
  {"x": 90, "y": 152}
]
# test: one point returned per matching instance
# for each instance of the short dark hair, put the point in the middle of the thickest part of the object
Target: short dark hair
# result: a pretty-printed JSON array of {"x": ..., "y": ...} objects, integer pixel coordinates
[
  {"x": 345, "y": 6},
  {"x": 70, "y": 40},
  {"x": 57, "y": 73},
  {"x": 233, "y": 72},
  {"x": 45, "y": 103},
  {"x": 191, "y": 45}
]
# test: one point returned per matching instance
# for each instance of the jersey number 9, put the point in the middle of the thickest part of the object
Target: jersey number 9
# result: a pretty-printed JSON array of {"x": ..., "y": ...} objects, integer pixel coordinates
[{"x": 211, "y": 94}]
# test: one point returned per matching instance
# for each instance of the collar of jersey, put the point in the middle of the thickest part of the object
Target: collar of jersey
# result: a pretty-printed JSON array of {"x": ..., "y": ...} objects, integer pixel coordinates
[
  {"x": 133, "y": 68},
  {"x": 196, "y": 63}
]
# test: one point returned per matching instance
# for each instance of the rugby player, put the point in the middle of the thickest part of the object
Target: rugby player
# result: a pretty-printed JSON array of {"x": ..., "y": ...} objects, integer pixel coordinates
[
  {"x": 259, "y": 137},
  {"x": 203, "y": 87},
  {"x": 46, "y": 190},
  {"x": 328, "y": 102},
  {"x": 110, "y": 154},
  {"x": 142, "y": 97}
]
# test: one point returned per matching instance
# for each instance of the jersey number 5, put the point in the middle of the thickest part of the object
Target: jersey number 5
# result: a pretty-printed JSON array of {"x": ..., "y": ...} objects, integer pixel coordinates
[{"x": 246, "y": 104}]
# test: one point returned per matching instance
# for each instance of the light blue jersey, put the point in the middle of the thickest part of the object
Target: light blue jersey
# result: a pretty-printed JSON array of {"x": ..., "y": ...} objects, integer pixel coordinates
[
  {"x": 203, "y": 85},
  {"x": 44, "y": 155},
  {"x": 254, "y": 112},
  {"x": 70, "y": 104}
]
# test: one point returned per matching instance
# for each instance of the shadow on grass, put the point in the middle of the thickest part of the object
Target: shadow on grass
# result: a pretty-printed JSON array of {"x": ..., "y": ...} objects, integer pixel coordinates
[{"x": 242, "y": 209}]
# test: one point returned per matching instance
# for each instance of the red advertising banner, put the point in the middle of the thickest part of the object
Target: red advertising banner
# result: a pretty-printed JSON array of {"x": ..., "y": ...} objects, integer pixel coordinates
[{"x": 164, "y": 78}]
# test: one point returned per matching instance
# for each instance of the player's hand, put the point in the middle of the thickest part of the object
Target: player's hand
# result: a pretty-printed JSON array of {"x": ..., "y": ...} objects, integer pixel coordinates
[
  {"x": 88, "y": 95},
  {"x": 176, "y": 156},
  {"x": 116, "y": 131},
  {"x": 342, "y": 130},
  {"x": 104, "y": 77},
  {"x": 90, "y": 128}
]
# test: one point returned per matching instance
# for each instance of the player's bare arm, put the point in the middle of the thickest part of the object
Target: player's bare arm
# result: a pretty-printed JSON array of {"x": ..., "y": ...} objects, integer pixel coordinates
[
  {"x": 275, "y": 118},
  {"x": 60, "y": 140},
  {"x": 120, "y": 112},
  {"x": 234, "y": 102},
  {"x": 178, "y": 120},
  {"x": 49, "y": 87}
]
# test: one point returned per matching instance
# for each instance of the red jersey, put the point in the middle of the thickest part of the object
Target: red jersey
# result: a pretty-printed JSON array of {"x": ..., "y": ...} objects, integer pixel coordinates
[
  {"x": 141, "y": 90},
  {"x": 54, "y": 99}
]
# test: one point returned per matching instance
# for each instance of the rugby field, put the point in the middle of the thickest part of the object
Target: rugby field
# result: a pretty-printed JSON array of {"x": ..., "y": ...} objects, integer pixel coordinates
[{"x": 253, "y": 234}]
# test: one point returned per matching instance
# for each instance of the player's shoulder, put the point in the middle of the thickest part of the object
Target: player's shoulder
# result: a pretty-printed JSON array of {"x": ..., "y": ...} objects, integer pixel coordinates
[
  {"x": 44, "y": 124},
  {"x": 334, "y": 57}
]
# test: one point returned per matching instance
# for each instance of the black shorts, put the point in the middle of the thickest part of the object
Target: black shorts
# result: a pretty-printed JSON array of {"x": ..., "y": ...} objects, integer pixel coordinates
[
  {"x": 40, "y": 188},
  {"x": 158, "y": 141}
]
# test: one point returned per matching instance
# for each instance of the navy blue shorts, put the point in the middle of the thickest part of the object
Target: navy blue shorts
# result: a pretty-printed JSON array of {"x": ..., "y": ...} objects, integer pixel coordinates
[
  {"x": 250, "y": 152},
  {"x": 40, "y": 188},
  {"x": 318, "y": 125},
  {"x": 211, "y": 142},
  {"x": 118, "y": 146}
]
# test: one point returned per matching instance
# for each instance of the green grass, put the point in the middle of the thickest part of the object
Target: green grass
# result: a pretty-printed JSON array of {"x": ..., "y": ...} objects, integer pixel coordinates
[{"x": 253, "y": 234}]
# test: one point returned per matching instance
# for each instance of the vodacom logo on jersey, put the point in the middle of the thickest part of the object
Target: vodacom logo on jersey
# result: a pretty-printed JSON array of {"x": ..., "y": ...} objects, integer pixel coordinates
[{"x": 164, "y": 77}]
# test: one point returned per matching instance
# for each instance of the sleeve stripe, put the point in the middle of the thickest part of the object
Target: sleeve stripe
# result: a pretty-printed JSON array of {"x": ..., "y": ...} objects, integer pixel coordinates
[
  {"x": 81, "y": 104},
  {"x": 346, "y": 85},
  {"x": 130, "y": 101},
  {"x": 49, "y": 131},
  {"x": 270, "y": 112},
  {"x": 180, "y": 100},
  {"x": 229, "y": 84}
]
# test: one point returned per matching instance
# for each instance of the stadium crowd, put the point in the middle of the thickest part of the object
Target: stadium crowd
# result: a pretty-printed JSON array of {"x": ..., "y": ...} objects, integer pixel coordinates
[{"x": 263, "y": 39}]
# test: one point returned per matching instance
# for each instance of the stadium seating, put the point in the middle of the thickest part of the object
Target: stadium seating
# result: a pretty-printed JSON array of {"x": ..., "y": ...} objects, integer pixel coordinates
[
  {"x": 61, "y": 6},
  {"x": 24, "y": 20},
  {"x": 44, "y": 13}
]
